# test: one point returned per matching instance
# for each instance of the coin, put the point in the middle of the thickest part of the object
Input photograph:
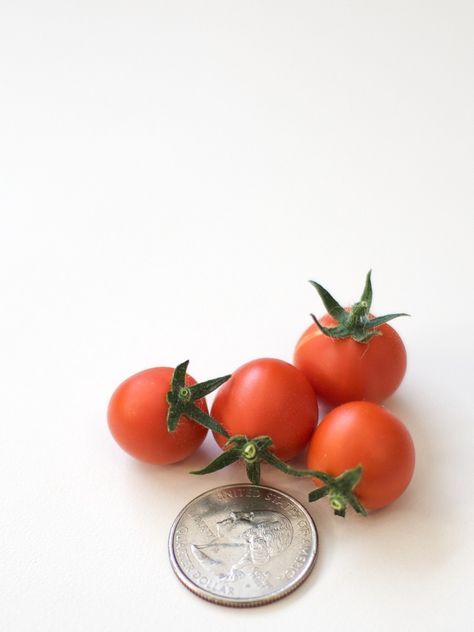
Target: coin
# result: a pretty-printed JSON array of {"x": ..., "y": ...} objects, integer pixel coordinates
[{"x": 243, "y": 545}]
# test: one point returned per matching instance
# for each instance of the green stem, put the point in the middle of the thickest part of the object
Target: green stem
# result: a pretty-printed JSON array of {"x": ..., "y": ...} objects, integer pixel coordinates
[
  {"x": 272, "y": 459},
  {"x": 358, "y": 316},
  {"x": 254, "y": 451}
]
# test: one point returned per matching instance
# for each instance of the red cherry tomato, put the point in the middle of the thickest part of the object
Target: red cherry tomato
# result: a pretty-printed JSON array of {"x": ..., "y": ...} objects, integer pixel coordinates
[
  {"x": 344, "y": 370},
  {"x": 363, "y": 433},
  {"x": 137, "y": 419},
  {"x": 268, "y": 397}
]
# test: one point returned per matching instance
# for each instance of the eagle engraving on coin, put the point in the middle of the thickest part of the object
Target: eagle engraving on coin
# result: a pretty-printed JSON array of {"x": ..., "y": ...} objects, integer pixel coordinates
[
  {"x": 243, "y": 545},
  {"x": 245, "y": 542}
]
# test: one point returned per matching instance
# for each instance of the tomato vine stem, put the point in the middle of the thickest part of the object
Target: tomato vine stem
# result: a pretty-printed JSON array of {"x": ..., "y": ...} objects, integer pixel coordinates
[{"x": 254, "y": 451}]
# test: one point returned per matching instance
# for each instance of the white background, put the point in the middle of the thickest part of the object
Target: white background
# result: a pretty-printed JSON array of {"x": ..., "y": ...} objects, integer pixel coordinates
[{"x": 171, "y": 175}]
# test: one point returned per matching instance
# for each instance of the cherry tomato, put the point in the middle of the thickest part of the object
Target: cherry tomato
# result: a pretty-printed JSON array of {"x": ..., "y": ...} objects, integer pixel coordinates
[
  {"x": 137, "y": 419},
  {"x": 344, "y": 370},
  {"x": 268, "y": 397},
  {"x": 364, "y": 433}
]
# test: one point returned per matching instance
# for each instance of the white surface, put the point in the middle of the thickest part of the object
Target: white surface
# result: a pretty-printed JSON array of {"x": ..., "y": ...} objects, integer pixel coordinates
[{"x": 171, "y": 174}]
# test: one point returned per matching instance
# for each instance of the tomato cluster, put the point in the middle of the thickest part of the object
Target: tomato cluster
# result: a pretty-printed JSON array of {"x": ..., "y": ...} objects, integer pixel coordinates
[{"x": 267, "y": 410}]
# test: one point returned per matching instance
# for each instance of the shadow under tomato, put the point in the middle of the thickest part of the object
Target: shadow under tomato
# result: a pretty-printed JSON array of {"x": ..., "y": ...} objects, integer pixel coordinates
[{"x": 415, "y": 531}]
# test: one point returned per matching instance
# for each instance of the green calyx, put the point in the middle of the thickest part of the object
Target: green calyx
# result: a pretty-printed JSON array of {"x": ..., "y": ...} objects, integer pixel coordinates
[
  {"x": 340, "y": 491},
  {"x": 354, "y": 323},
  {"x": 255, "y": 451},
  {"x": 181, "y": 400},
  {"x": 251, "y": 451}
]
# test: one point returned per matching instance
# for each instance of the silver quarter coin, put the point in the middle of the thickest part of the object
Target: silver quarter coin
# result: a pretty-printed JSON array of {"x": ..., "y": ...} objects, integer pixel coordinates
[{"x": 243, "y": 545}]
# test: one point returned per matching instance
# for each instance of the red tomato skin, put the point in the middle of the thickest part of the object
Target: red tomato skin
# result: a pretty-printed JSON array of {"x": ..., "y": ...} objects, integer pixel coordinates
[
  {"x": 137, "y": 415},
  {"x": 364, "y": 433},
  {"x": 343, "y": 370},
  {"x": 268, "y": 397}
]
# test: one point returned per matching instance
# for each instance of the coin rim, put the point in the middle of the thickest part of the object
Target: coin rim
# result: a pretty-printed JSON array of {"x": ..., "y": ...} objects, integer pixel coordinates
[{"x": 248, "y": 601}]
